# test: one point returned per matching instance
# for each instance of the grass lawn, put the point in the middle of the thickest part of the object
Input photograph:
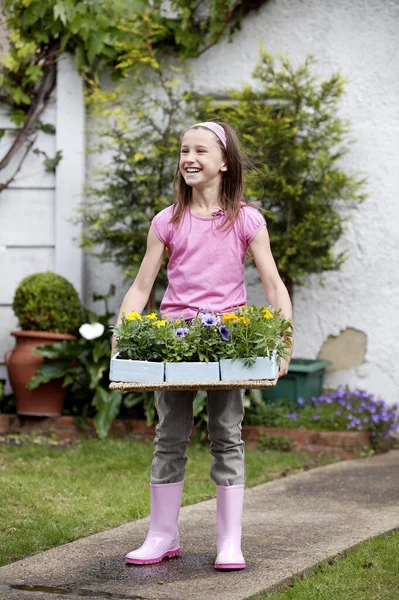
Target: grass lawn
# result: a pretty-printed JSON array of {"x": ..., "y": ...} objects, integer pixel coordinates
[
  {"x": 53, "y": 495},
  {"x": 369, "y": 572}
]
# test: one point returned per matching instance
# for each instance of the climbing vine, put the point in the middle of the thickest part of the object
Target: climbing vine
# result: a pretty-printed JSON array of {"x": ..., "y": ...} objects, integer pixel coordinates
[{"x": 120, "y": 35}]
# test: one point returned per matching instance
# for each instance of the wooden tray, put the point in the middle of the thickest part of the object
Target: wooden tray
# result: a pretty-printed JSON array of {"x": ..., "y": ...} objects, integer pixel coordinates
[{"x": 201, "y": 385}]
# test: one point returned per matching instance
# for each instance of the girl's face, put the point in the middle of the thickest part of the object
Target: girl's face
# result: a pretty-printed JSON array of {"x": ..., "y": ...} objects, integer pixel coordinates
[{"x": 201, "y": 159}]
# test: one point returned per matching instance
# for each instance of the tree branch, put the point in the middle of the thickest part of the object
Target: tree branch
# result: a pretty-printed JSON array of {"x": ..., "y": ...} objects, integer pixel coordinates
[
  {"x": 11, "y": 179},
  {"x": 40, "y": 98}
]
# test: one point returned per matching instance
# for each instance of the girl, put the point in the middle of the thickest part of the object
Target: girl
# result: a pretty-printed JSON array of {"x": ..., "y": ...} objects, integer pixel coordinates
[{"x": 207, "y": 233}]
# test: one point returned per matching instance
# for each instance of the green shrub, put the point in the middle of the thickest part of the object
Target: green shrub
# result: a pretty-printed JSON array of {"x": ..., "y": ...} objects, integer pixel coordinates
[
  {"x": 47, "y": 302},
  {"x": 297, "y": 142}
]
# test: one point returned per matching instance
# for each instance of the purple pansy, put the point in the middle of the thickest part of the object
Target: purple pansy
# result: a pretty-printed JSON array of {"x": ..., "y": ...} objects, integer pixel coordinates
[
  {"x": 301, "y": 401},
  {"x": 182, "y": 332},
  {"x": 209, "y": 319},
  {"x": 225, "y": 333},
  {"x": 291, "y": 415}
]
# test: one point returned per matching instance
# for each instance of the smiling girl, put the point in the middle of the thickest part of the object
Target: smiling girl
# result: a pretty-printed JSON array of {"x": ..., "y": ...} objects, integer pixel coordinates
[{"x": 207, "y": 233}]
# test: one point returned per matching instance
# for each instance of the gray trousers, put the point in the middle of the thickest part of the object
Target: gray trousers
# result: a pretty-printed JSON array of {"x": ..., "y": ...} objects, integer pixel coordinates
[{"x": 175, "y": 412}]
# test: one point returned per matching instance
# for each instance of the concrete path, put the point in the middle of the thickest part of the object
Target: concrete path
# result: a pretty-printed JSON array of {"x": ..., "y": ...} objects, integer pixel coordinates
[{"x": 290, "y": 525}]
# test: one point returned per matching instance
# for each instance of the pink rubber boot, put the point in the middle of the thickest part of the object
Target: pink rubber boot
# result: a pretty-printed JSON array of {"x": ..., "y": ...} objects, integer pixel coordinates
[
  {"x": 162, "y": 539},
  {"x": 230, "y": 501}
]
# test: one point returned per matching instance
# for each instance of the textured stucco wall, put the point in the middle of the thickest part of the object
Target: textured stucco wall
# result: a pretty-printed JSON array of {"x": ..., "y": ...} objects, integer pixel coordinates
[{"x": 358, "y": 38}]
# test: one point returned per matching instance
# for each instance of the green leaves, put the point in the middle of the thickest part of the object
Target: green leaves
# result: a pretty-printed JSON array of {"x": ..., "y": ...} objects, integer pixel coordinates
[
  {"x": 50, "y": 163},
  {"x": 107, "y": 403},
  {"x": 45, "y": 127},
  {"x": 56, "y": 369}
]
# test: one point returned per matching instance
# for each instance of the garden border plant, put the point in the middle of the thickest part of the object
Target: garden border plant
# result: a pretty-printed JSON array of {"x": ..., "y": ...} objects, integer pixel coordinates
[{"x": 342, "y": 409}]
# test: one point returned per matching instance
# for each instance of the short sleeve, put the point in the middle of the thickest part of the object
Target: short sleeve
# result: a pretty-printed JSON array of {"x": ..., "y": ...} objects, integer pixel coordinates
[
  {"x": 161, "y": 225},
  {"x": 253, "y": 223}
]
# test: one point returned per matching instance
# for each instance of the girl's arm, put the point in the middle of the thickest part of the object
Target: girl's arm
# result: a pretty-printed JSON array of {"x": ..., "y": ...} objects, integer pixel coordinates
[
  {"x": 275, "y": 290},
  {"x": 137, "y": 295}
]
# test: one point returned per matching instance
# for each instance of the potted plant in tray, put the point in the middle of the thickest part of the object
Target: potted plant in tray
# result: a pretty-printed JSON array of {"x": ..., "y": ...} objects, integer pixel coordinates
[
  {"x": 257, "y": 337},
  {"x": 48, "y": 310},
  {"x": 193, "y": 352},
  {"x": 139, "y": 356},
  {"x": 153, "y": 350},
  {"x": 242, "y": 345}
]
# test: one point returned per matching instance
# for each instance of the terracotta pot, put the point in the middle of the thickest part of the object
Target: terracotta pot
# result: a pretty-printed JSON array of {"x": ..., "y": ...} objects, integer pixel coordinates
[{"x": 48, "y": 399}]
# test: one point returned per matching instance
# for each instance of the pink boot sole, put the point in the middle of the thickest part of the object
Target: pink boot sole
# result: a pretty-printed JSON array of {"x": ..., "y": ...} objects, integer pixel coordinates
[
  {"x": 227, "y": 566},
  {"x": 152, "y": 561}
]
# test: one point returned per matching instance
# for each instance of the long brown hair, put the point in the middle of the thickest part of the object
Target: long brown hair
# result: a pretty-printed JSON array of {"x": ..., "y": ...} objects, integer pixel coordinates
[{"x": 231, "y": 189}]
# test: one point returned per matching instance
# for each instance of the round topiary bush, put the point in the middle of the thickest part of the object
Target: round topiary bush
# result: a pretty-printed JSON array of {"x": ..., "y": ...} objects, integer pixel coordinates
[{"x": 47, "y": 302}]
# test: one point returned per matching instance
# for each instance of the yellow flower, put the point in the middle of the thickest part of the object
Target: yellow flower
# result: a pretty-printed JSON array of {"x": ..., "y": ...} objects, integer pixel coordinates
[
  {"x": 245, "y": 320},
  {"x": 177, "y": 321},
  {"x": 159, "y": 323},
  {"x": 152, "y": 316},
  {"x": 229, "y": 317},
  {"x": 267, "y": 314},
  {"x": 132, "y": 316}
]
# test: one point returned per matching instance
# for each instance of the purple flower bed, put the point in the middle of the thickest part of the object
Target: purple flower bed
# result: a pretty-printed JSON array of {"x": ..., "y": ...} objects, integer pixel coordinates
[
  {"x": 340, "y": 410},
  {"x": 355, "y": 410}
]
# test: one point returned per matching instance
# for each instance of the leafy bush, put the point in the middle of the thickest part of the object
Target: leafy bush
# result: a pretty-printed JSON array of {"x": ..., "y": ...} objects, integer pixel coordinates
[
  {"x": 47, "y": 302},
  {"x": 296, "y": 141}
]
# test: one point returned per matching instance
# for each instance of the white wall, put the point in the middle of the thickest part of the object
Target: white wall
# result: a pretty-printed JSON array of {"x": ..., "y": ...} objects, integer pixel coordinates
[{"x": 35, "y": 233}]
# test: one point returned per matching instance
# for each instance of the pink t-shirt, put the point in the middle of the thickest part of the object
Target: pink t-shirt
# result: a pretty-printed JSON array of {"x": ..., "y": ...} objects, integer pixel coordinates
[{"x": 206, "y": 265}]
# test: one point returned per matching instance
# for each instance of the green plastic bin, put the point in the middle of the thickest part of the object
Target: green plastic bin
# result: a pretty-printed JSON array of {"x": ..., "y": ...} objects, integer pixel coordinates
[{"x": 303, "y": 380}]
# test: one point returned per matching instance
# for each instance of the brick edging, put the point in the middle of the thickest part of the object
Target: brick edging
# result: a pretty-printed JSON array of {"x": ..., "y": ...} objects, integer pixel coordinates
[{"x": 345, "y": 444}]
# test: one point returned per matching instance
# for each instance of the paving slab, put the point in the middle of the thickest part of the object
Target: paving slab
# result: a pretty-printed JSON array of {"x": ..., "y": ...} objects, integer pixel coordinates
[{"x": 289, "y": 526}]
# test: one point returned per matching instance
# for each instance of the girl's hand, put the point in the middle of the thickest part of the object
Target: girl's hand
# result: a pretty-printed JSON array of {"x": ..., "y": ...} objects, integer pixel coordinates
[{"x": 284, "y": 364}]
